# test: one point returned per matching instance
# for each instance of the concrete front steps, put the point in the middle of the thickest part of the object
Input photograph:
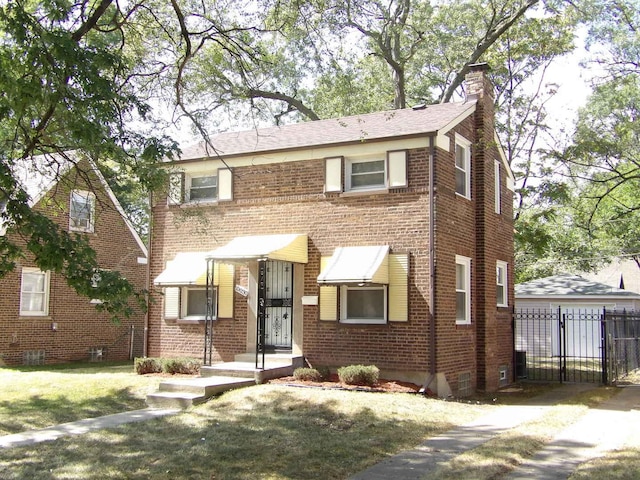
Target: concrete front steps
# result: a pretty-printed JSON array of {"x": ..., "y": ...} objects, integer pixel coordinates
[{"x": 218, "y": 378}]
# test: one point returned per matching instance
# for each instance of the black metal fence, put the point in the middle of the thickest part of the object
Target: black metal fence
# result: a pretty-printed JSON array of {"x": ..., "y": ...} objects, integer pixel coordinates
[{"x": 576, "y": 344}]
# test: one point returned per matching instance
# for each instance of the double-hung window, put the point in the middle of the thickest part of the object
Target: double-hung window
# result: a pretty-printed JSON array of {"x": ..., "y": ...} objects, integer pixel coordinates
[
  {"x": 463, "y": 290},
  {"x": 366, "y": 174},
  {"x": 497, "y": 196},
  {"x": 463, "y": 166},
  {"x": 34, "y": 292},
  {"x": 203, "y": 188},
  {"x": 364, "y": 304},
  {"x": 501, "y": 284},
  {"x": 82, "y": 211}
]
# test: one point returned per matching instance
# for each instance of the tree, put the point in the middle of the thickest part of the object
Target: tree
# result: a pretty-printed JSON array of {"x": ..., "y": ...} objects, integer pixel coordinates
[
  {"x": 601, "y": 164},
  {"x": 65, "y": 86}
]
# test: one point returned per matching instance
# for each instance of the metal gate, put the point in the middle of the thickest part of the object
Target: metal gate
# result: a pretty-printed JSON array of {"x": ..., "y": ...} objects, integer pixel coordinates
[
  {"x": 278, "y": 305},
  {"x": 576, "y": 344},
  {"x": 622, "y": 337}
]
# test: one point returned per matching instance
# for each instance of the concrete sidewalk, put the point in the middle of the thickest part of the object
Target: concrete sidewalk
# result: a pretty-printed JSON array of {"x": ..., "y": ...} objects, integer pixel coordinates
[
  {"x": 599, "y": 430},
  {"x": 81, "y": 426},
  {"x": 602, "y": 429}
]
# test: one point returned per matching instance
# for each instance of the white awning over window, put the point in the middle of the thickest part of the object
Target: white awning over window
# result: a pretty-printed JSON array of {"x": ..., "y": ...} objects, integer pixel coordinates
[
  {"x": 357, "y": 265},
  {"x": 187, "y": 268},
  {"x": 286, "y": 247}
]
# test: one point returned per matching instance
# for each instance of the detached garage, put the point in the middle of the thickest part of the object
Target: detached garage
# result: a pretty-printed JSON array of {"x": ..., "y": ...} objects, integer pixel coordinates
[{"x": 561, "y": 316}]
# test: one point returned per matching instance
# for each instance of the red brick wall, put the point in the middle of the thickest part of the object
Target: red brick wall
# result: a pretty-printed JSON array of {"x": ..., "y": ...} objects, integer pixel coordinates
[
  {"x": 79, "y": 326},
  {"x": 289, "y": 198}
]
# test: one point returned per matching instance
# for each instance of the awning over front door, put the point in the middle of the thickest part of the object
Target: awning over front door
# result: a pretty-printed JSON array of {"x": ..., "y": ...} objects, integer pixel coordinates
[
  {"x": 187, "y": 268},
  {"x": 357, "y": 265},
  {"x": 286, "y": 247}
]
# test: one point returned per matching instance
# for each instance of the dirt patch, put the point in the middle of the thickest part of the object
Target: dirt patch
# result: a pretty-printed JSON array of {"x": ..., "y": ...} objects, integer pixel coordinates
[{"x": 333, "y": 382}]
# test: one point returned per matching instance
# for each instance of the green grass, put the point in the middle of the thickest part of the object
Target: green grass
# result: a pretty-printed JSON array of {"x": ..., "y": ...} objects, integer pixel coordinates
[
  {"x": 261, "y": 432},
  {"x": 37, "y": 397},
  {"x": 267, "y": 431}
]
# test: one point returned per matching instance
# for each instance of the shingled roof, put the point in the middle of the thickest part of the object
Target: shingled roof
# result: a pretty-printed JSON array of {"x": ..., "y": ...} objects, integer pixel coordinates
[
  {"x": 378, "y": 126},
  {"x": 568, "y": 285}
]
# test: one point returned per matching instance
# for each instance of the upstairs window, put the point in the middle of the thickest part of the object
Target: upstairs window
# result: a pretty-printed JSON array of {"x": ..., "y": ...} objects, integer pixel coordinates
[
  {"x": 463, "y": 167},
  {"x": 34, "y": 292},
  {"x": 214, "y": 186},
  {"x": 203, "y": 188},
  {"x": 82, "y": 211},
  {"x": 365, "y": 174},
  {"x": 379, "y": 173},
  {"x": 496, "y": 175}
]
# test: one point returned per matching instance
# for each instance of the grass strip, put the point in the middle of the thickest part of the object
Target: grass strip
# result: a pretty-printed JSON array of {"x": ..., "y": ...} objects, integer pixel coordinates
[{"x": 508, "y": 450}]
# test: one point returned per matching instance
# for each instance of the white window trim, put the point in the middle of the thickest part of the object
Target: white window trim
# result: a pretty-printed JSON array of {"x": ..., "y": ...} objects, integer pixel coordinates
[
  {"x": 90, "y": 196},
  {"x": 466, "y": 144},
  {"x": 466, "y": 262},
  {"x": 190, "y": 177},
  {"x": 498, "y": 193},
  {"x": 45, "y": 304},
  {"x": 347, "y": 176},
  {"x": 364, "y": 321},
  {"x": 184, "y": 292},
  {"x": 505, "y": 297}
]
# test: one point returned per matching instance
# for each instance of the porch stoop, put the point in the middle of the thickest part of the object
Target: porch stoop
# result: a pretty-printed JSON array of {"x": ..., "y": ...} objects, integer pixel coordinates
[{"x": 219, "y": 378}]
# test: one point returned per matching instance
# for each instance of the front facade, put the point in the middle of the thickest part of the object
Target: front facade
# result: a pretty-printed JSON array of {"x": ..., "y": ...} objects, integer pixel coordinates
[
  {"x": 42, "y": 319},
  {"x": 382, "y": 239}
]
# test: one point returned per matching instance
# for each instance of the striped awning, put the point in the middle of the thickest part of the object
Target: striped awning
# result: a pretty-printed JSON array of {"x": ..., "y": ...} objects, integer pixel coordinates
[
  {"x": 357, "y": 265},
  {"x": 187, "y": 268},
  {"x": 285, "y": 247}
]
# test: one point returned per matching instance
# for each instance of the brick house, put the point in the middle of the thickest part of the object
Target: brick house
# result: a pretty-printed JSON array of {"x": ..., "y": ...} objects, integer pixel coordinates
[
  {"x": 42, "y": 319},
  {"x": 383, "y": 239}
]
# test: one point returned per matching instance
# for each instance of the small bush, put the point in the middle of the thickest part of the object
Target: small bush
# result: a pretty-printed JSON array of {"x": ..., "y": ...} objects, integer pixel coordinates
[
  {"x": 146, "y": 365},
  {"x": 307, "y": 375},
  {"x": 186, "y": 366},
  {"x": 359, "y": 375},
  {"x": 325, "y": 372}
]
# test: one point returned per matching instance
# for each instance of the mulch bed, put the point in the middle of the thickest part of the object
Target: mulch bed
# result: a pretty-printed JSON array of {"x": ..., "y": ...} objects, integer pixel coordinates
[{"x": 390, "y": 386}]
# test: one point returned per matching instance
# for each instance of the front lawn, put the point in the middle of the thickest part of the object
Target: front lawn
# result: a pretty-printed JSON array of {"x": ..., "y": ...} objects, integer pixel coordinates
[
  {"x": 37, "y": 397},
  {"x": 261, "y": 432}
]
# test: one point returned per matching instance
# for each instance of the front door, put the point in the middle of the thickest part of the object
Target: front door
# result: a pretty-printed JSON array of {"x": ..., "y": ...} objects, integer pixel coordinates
[{"x": 279, "y": 305}]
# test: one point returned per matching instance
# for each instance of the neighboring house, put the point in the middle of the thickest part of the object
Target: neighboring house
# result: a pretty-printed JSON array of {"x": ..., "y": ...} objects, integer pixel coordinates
[
  {"x": 542, "y": 303},
  {"x": 42, "y": 319},
  {"x": 382, "y": 238},
  {"x": 573, "y": 292}
]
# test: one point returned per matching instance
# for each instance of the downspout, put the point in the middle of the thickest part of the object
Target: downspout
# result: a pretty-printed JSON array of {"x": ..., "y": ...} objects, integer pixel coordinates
[
  {"x": 145, "y": 335},
  {"x": 432, "y": 270}
]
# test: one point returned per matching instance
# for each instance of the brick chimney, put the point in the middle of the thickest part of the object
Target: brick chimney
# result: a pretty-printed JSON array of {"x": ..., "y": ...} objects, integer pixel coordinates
[{"x": 477, "y": 83}]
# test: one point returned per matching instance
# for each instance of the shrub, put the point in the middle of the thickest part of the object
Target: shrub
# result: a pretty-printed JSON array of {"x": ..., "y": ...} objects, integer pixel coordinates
[
  {"x": 186, "y": 366},
  {"x": 307, "y": 374},
  {"x": 325, "y": 372},
  {"x": 146, "y": 365},
  {"x": 359, "y": 375}
]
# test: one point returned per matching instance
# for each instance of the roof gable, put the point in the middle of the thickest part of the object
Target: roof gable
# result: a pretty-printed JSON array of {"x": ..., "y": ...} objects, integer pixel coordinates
[
  {"x": 354, "y": 129},
  {"x": 40, "y": 174}
]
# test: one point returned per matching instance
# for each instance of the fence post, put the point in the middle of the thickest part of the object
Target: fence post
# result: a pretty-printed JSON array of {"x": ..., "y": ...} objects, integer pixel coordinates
[{"x": 604, "y": 345}]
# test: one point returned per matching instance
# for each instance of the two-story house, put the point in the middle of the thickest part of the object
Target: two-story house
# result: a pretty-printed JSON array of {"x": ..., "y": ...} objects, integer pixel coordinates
[
  {"x": 42, "y": 319},
  {"x": 383, "y": 239}
]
